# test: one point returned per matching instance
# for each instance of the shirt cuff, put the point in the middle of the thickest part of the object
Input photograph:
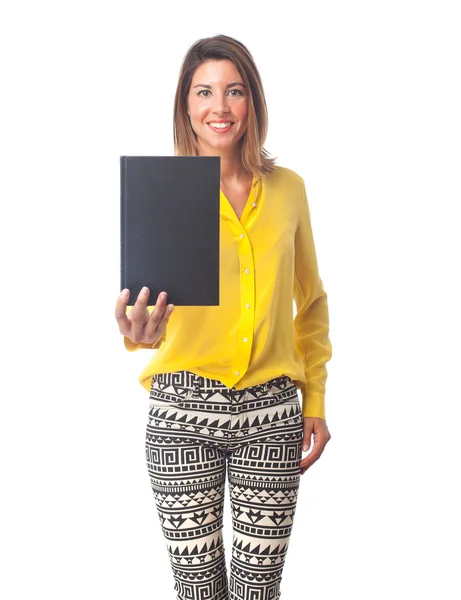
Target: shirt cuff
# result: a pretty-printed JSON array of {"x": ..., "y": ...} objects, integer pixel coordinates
[
  {"x": 313, "y": 404},
  {"x": 132, "y": 346}
]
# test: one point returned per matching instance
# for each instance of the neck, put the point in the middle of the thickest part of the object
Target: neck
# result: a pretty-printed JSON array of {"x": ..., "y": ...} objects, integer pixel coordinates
[{"x": 232, "y": 170}]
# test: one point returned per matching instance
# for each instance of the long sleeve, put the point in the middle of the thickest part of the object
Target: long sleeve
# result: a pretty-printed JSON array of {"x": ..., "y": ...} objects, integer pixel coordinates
[
  {"x": 312, "y": 319},
  {"x": 132, "y": 347}
]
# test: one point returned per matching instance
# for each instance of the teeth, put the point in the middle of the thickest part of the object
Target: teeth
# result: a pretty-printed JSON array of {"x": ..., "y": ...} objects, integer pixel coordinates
[{"x": 220, "y": 125}]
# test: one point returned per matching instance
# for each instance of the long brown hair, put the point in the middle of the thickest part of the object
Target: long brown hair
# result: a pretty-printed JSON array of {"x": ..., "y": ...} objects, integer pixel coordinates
[{"x": 255, "y": 158}]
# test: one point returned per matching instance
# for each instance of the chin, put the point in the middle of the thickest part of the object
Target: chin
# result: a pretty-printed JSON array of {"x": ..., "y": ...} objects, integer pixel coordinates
[{"x": 222, "y": 145}]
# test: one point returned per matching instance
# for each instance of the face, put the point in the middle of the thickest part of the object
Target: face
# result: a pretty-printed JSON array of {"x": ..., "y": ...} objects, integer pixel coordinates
[{"x": 217, "y": 94}]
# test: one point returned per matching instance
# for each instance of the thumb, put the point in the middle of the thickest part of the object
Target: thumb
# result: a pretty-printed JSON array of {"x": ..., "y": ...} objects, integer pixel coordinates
[{"x": 306, "y": 440}]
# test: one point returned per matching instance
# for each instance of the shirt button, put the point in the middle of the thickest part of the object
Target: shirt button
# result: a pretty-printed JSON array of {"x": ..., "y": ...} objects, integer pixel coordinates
[
  {"x": 247, "y": 306},
  {"x": 247, "y": 271},
  {"x": 253, "y": 204},
  {"x": 241, "y": 236},
  {"x": 245, "y": 339},
  {"x": 237, "y": 372}
]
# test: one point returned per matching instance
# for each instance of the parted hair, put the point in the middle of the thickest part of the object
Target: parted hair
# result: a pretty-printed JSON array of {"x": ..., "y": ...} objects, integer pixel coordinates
[{"x": 255, "y": 157}]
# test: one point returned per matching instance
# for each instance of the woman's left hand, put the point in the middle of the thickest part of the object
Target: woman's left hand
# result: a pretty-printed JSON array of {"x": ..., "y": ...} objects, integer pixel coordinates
[{"x": 317, "y": 427}]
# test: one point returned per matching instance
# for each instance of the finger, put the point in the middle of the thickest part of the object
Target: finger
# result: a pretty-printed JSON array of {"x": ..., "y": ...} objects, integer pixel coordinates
[
  {"x": 308, "y": 429},
  {"x": 163, "y": 323},
  {"x": 158, "y": 318},
  {"x": 139, "y": 315},
  {"x": 317, "y": 450},
  {"x": 120, "y": 312},
  {"x": 308, "y": 466},
  {"x": 304, "y": 466},
  {"x": 309, "y": 460}
]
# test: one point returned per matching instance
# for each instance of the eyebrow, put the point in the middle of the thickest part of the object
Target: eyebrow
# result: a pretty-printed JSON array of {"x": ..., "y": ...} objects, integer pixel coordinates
[{"x": 227, "y": 86}]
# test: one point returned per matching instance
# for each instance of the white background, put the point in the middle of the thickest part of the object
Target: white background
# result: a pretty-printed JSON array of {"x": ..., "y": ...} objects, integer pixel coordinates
[{"x": 364, "y": 103}]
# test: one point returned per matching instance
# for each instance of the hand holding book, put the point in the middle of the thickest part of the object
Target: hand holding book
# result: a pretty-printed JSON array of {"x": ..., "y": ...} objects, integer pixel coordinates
[{"x": 140, "y": 325}]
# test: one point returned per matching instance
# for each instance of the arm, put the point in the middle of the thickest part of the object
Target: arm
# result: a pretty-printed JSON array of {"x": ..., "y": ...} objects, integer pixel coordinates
[{"x": 312, "y": 319}]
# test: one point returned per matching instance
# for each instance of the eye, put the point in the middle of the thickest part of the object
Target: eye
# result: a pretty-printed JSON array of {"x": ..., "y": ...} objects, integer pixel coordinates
[{"x": 205, "y": 93}]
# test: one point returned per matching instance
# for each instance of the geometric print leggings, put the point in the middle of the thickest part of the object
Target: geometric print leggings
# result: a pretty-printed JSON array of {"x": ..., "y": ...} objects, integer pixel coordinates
[{"x": 197, "y": 431}]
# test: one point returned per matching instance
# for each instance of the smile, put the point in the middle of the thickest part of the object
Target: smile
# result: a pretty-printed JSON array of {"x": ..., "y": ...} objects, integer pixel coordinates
[{"x": 220, "y": 127}]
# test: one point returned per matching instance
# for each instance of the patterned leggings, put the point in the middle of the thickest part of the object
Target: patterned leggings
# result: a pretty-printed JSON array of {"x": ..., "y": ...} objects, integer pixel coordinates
[{"x": 197, "y": 426}]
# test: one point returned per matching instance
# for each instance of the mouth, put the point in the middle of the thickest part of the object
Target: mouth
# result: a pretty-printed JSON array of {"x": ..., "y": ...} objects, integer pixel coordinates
[{"x": 220, "y": 127}]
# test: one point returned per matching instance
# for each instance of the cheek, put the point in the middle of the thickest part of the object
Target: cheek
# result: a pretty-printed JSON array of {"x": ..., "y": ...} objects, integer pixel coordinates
[
  {"x": 193, "y": 105},
  {"x": 197, "y": 112},
  {"x": 242, "y": 112}
]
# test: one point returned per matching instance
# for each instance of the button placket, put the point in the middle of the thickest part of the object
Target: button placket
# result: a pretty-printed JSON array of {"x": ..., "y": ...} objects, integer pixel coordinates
[
  {"x": 246, "y": 327},
  {"x": 247, "y": 283}
]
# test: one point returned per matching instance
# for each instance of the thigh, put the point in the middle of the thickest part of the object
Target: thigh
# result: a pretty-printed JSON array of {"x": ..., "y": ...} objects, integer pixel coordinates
[
  {"x": 188, "y": 481},
  {"x": 187, "y": 474},
  {"x": 264, "y": 477}
]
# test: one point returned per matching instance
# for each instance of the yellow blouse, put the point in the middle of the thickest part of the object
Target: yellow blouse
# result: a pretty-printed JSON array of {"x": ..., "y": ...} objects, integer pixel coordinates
[{"x": 267, "y": 259}]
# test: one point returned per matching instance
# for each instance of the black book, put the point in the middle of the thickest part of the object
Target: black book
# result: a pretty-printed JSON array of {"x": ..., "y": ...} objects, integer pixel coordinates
[{"x": 170, "y": 220}]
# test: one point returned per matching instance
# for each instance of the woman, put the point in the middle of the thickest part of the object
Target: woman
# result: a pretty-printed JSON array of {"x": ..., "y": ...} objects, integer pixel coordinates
[{"x": 223, "y": 382}]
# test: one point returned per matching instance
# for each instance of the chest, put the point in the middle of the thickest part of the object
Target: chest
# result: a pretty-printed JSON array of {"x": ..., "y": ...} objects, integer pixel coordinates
[{"x": 238, "y": 197}]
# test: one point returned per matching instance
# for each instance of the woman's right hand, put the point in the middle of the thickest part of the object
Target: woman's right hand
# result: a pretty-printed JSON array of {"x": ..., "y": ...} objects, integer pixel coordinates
[{"x": 139, "y": 325}]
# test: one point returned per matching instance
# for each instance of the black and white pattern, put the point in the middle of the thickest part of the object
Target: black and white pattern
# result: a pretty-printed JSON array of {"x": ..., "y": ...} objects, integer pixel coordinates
[{"x": 198, "y": 429}]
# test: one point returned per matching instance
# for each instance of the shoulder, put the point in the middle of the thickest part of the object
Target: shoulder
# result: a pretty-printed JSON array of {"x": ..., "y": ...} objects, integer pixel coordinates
[
  {"x": 285, "y": 180},
  {"x": 288, "y": 174}
]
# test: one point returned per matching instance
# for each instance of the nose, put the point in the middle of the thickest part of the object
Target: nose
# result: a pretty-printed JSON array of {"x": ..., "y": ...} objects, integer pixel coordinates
[{"x": 220, "y": 104}]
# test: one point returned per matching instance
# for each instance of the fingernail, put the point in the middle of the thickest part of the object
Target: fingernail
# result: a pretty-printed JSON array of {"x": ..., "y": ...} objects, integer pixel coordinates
[
  {"x": 163, "y": 296},
  {"x": 305, "y": 448},
  {"x": 144, "y": 290},
  {"x": 123, "y": 292},
  {"x": 170, "y": 307}
]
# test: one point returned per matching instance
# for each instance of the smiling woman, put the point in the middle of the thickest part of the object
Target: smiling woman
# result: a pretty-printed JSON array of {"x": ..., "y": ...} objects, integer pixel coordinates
[
  {"x": 223, "y": 382},
  {"x": 218, "y": 110},
  {"x": 219, "y": 81},
  {"x": 218, "y": 114}
]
